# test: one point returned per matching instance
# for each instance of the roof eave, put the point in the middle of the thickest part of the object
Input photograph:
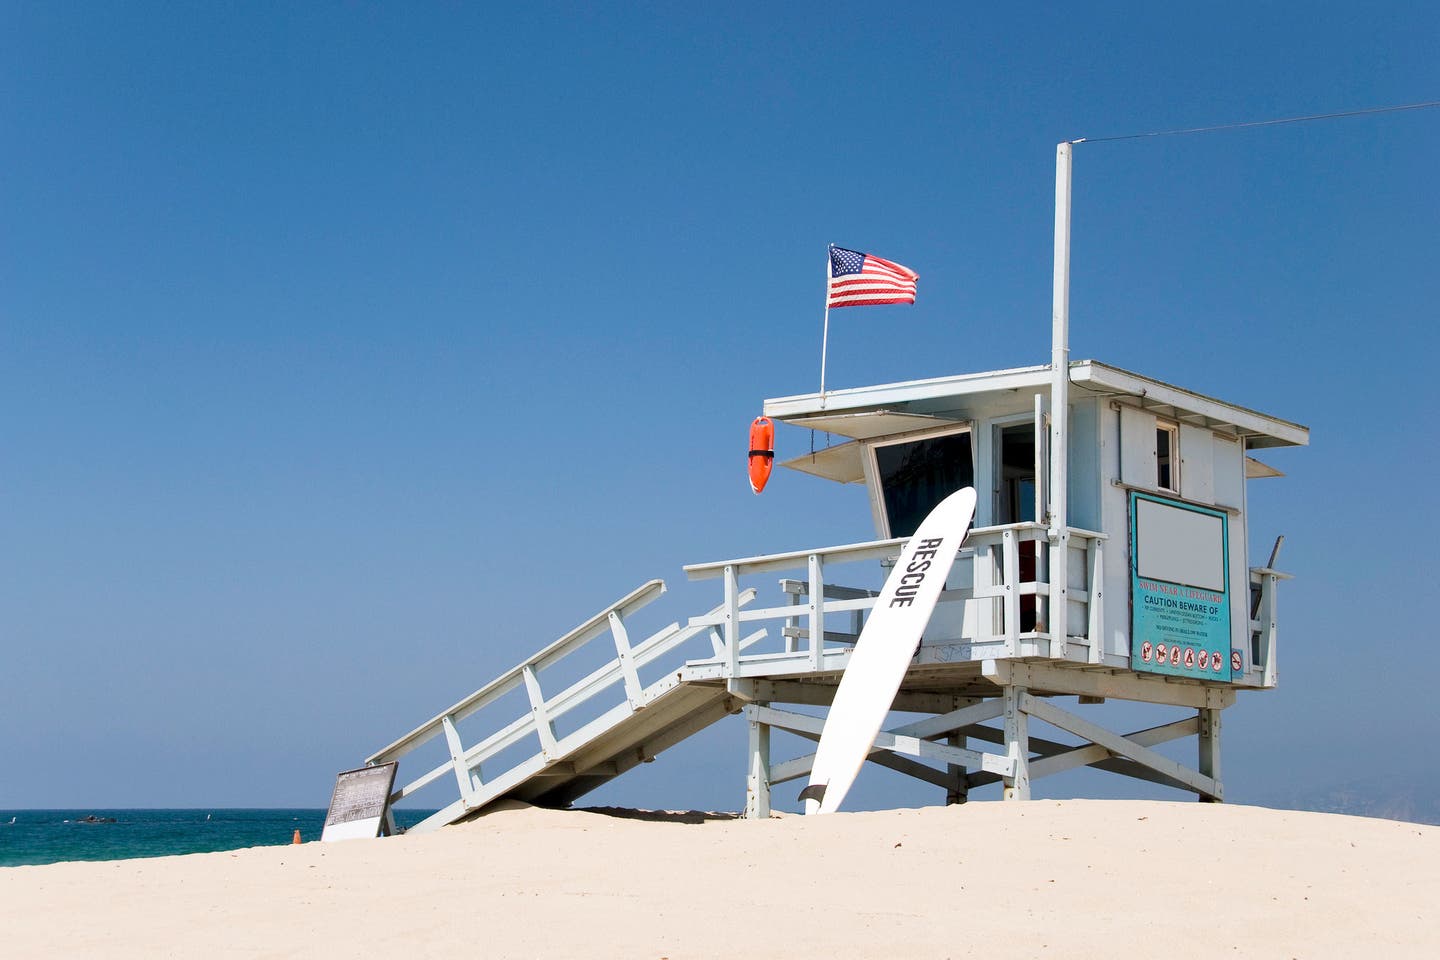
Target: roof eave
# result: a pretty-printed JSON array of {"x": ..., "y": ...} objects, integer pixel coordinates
[
  {"x": 1259, "y": 430},
  {"x": 861, "y": 398}
]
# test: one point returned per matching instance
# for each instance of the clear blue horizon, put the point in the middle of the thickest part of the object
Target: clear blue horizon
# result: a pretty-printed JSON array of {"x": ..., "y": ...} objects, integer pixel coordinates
[{"x": 349, "y": 354}]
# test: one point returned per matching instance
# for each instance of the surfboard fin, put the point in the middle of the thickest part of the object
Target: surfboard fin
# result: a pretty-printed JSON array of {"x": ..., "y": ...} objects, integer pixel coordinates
[{"x": 816, "y": 792}]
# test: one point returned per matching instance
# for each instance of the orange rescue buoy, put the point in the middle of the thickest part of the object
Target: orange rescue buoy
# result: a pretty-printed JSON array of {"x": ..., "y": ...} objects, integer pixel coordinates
[{"x": 762, "y": 452}]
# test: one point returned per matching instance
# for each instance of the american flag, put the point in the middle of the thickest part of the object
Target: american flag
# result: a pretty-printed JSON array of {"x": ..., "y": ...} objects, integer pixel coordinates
[{"x": 860, "y": 279}]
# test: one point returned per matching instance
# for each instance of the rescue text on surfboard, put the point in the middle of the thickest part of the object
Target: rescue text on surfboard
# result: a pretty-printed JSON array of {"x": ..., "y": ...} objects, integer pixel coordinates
[{"x": 915, "y": 573}]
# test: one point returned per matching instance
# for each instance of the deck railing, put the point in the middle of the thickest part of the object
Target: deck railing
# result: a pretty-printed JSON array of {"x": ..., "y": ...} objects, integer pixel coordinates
[
  {"x": 993, "y": 555},
  {"x": 1264, "y": 584}
]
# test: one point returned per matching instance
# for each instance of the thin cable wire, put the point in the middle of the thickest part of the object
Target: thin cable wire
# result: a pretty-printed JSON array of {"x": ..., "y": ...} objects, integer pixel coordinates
[{"x": 1261, "y": 123}]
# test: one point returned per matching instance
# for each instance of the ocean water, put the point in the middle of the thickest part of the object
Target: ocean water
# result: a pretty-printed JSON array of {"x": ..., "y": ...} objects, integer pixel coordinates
[{"x": 51, "y": 836}]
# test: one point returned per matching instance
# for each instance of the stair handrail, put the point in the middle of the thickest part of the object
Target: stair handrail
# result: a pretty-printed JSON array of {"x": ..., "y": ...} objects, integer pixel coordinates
[
  {"x": 515, "y": 677},
  {"x": 469, "y": 759},
  {"x": 871, "y": 550}
]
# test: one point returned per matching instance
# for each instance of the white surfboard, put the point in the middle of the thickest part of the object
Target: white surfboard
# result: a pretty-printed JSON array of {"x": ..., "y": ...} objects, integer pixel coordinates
[{"x": 883, "y": 650}]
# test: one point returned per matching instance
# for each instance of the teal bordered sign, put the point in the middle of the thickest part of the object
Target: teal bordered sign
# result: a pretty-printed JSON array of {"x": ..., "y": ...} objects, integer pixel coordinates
[{"x": 1179, "y": 588}]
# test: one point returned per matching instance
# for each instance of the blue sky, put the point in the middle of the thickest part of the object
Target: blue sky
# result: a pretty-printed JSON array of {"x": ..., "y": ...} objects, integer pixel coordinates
[{"x": 348, "y": 353}]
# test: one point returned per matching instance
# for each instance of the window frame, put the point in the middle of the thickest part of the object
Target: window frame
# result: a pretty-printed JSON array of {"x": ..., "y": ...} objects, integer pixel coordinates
[
  {"x": 872, "y": 466},
  {"x": 1172, "y": 429},
  {"x": 997, "y": 463}
]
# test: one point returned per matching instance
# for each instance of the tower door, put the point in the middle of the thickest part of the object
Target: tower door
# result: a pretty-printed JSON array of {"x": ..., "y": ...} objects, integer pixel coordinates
[{"x": 1016, "y": 490}]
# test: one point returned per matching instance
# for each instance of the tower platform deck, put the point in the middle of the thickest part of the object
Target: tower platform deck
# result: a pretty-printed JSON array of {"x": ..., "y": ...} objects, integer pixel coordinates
[{"x": 524, "y": 736}]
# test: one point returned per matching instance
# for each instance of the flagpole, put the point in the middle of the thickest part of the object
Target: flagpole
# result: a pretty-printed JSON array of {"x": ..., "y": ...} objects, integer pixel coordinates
[{"x": 825, "y": 336}]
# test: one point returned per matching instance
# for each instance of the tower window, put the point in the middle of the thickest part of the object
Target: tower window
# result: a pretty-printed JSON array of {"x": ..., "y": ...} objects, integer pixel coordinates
[
  {"x": 915, "y": 474},
  {"x": 1167, "y": 456}
]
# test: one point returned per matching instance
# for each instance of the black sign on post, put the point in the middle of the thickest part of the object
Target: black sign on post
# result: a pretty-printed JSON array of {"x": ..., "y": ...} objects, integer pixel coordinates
[{"x": 360, "y": 802}]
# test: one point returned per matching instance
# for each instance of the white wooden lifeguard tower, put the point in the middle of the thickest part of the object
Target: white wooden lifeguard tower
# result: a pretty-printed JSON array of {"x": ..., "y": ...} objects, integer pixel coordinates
[
  {"x": 1109, "y": 561},
  {"x": 1155, "y": 601}
]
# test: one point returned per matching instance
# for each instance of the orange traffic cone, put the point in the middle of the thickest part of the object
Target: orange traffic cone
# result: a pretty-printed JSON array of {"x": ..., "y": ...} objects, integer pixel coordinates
[{"x": 297, "y": 836}]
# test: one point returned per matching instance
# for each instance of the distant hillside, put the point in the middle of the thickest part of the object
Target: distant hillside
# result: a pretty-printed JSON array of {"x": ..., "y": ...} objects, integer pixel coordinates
[{"x": 1390, "y": 797}]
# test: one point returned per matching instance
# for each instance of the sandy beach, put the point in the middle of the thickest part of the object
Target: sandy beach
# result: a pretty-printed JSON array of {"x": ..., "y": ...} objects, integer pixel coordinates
[{"x": 1046, "y": 878}]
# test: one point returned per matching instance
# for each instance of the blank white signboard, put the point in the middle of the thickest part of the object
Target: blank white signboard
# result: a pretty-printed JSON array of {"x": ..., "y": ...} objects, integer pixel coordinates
[{"x": 1179, "y": 546}]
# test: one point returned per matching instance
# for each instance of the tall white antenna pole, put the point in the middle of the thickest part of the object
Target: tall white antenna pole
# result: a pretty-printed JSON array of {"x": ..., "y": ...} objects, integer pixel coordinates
[
  {"x": 1058, "y": 533},
  {"x": 825, "y": 337}
]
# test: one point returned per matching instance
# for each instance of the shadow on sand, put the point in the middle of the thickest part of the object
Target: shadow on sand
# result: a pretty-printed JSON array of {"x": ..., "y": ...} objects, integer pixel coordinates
[{"x": 660, "y": 816}]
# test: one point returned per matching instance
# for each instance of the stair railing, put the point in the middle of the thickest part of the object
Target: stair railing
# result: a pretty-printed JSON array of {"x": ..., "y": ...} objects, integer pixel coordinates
[{"x": 465, "y": 763}]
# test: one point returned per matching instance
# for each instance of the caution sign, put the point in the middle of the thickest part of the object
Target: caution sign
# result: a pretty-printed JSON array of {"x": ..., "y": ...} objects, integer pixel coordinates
[
  {"x": 359, "y": 803},
  {"x": 1179, "y": 588}
]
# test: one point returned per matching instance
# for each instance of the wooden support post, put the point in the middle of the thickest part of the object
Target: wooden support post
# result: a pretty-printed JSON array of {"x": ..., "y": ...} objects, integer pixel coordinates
[
  {"x": 757, "y": 782},
  {"x": 817, "y": 610},
  {"x": 1271, "y": 674},
  {"x": 457, "y": 758},
  {"x": 1010, "y": 558},
  {"x": 1209, "y": 736},
  {"x": 983, "y": 572},
  {"x": 1017, "y": 744},
  {"x": 792, "y": 640},
  {"x": 959, "y": 789},
  {"x": 1060, "y": 596},
  {"x": 732, "y": 621},
  {"x": 625, "y": 658},
  {"x": 1095, "y": 621},
  {"x": 541, "y": 713}
]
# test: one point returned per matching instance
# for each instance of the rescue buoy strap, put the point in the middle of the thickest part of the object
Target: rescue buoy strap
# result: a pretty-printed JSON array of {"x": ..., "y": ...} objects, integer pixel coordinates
[{"x": 768, "y": 454}]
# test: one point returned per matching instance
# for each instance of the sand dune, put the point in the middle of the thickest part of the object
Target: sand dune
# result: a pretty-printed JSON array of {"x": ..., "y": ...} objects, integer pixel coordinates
[{"x": 1065, "y": 879}]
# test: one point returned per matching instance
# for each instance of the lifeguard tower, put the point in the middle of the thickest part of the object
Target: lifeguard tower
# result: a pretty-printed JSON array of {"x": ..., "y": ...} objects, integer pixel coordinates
[
  {"x": 1146, "y": 594},
  {"x": 1108, "y": 562}
]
